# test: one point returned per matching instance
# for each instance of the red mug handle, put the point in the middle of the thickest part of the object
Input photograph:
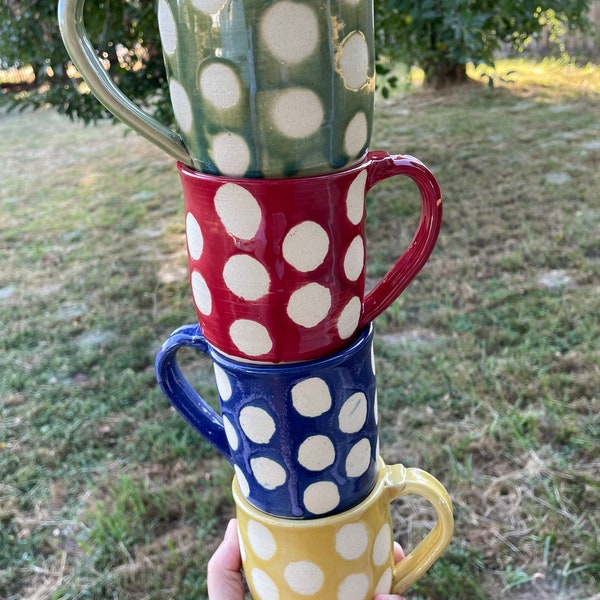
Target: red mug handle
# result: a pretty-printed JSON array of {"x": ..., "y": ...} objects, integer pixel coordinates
[{"x": 404, "y": 270}]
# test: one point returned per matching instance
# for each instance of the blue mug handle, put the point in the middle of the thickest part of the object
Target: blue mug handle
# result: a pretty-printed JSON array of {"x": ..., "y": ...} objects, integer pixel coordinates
[{"x": 184, "y": 398}]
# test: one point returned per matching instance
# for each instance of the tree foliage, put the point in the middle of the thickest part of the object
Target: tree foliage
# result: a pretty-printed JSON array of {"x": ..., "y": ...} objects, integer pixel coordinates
[
  {"x": 441, "y": 36},
  {"x": 125, "y": 34}
]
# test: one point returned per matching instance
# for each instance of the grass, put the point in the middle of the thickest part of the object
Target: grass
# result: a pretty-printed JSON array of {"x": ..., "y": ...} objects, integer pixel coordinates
[{"x": 488, "y": 365}]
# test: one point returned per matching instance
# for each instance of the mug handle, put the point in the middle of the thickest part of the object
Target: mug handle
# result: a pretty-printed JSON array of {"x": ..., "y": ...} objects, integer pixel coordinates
[
  {"x": 401, "y": 481},
  {"x": 184, "y": 398},
  {"x": 79, "y": 47},
  {"x": 403, "y": 271}
]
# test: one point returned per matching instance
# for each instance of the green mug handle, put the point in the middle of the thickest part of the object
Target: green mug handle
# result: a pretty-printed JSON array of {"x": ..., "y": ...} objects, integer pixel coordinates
[
  {"x": 79, "y": 47},
  {"x": 400, "y": 481}
]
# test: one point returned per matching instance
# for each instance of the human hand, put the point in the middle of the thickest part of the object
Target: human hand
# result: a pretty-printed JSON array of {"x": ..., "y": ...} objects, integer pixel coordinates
[
  {"x": 398, "y": 556},
  {"x": 224, "y": 573},
  {"x": 225, "y": 569}
]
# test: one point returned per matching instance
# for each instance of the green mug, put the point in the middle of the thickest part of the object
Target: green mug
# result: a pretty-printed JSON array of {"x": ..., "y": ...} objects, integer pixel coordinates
[{"x": 258, "y": 88}]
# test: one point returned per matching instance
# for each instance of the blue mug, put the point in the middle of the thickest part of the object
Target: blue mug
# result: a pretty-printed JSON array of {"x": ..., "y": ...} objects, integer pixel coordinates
[{"x": 302, "y": 437}]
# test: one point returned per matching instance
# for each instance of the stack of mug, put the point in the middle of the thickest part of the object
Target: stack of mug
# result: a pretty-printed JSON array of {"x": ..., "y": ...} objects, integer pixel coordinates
[{"x": 274, "y": 106}]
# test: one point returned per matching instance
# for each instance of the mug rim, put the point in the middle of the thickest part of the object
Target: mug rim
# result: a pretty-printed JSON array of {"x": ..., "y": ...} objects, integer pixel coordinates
[
  {"x": 365, "y": 160},
  {"x": 252, "y": 512},
  {"x": 363, "y": 337}
]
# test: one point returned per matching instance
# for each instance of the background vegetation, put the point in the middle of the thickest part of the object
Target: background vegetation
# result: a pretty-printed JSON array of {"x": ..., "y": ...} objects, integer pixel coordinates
[
  {"x": 439, "y": 36},
  {"x": 488, "y": 365}
]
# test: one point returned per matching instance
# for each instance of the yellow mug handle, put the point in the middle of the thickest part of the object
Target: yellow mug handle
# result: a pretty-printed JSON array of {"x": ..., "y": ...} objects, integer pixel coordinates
[
  {"x": 79, "y": 47},
  {"x": 400, "y": 481}
]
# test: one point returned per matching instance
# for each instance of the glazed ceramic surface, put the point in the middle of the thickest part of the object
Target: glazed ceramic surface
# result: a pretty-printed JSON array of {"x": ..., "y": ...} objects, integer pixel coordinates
[
  {"x": 258, "y": 88},
  {"x": 277, "y": 266},
  {"x": 302, "y": 437},
  {"x": 348, "y": 556}
]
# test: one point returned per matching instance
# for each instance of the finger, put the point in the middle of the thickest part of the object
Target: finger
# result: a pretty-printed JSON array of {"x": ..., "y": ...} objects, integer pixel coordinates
[
  {"x": 224, "y": 575},
  {"x": 398, "y": 552}
]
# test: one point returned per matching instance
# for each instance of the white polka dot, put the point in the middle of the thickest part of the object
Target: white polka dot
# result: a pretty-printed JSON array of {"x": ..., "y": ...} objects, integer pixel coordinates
[
  {"x": 355, "y": 138},
  {"x": 354, "y": 60},
  {"x": 304, "y": 577},
  {"x": 359, "y": 458},
  {"x": 268, "y": 473},
  {"x": 257, "y": 424},
  {"x": 376, "y": 408},
  {"x": 261, "y": 540},
  {"x": 231, "y": 154},
  {"x": 353, "y": 413},
  {"x": 384, "y": 585},
  {"x": 316, "y": 453},
  {"x": 238, "y": 210},
  {"x": 246, "y": 277},
  {"x": 351, "y": 541},
  {"x": 181, "y": 106},
  {"x": 354, "y": 259},
  {"x": 349, "y": 317},
  {"x": 354, "y": 587},
  {"x": 250, "y": 337},
  {"x": 290, "y": 31},
  {"x": 220, "y": 85},
  {"x": 167, "y": 28},
  {"x": 242, "y": 481},
  {"x": 305, "y": 246},
  {"x": 297, "y": 112},
  {"x": 210, "y": 7},
  {"x": 355, "y": 200},
  {"x": 231, "y": 434},
  {"x": 321, "y": 497},
  {"x": 309, "y": 305},
  {"x": 223, "y": 383},
  {"x": 311, "y": 397},
  {"x": 382, "y": 549},
  {"x": 201, "y": 294},
  {"x": 264, "y": 585},
  {"x": 195, "y": 241}
]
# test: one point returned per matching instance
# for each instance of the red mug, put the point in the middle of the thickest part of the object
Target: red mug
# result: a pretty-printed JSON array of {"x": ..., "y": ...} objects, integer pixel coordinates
[{"x": 277, "y": 266}]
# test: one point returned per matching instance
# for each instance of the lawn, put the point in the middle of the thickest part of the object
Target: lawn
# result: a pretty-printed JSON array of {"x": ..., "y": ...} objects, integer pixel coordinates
[{"x": 488, "y": 365}]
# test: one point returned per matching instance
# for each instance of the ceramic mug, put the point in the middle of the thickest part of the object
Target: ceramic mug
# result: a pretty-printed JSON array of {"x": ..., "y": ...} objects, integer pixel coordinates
[
  {"x": 259, "y": 89},
  {"x": 302, "y": 437},
  {"x": 277, "y": 266},
  {"x": 347, "y": 556}
]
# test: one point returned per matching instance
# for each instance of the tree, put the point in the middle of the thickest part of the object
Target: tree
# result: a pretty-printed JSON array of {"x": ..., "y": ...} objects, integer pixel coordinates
[
  {"x": 125, "y": 33},
  {"x": 441, "y": 36}
]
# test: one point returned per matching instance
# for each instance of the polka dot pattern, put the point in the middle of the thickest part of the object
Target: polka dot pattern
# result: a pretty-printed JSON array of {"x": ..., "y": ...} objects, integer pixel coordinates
[
  {"x": 201, "y": 293},
  {"x": 328, "y": 560},
  {"x": 311, "y": 397},
  {"x": 296, "y": 128},
  {"x": 287, "y": 278},
  {"x": 290, "y": 31},
  {"x": 220, "y": 85},
  {"x": 354, "y": 60},
  {"x": 304, "y": 577},
  {"x": 305, "y": 246},
  {"x": 181, "y": 106},
  {"x": 261, "y": 540},
  {"x": 297, "y": 113},
  {"x": 303, "y": 437},
  {"x": 167, "y": 28},
  {"x": 195, "y": 241}
]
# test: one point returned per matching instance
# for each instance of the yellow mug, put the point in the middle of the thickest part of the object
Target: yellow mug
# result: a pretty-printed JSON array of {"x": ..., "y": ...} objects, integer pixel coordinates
[{"x": 346, "y": 556}]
